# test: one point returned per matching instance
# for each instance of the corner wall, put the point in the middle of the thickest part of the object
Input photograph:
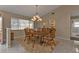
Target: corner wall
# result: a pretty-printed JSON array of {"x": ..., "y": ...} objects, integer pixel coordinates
[{"x": 62, "y": 15}]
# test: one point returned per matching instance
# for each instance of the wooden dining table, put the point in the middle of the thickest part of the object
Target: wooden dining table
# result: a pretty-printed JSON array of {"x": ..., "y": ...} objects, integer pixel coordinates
[{"x": 40, "y": 36}]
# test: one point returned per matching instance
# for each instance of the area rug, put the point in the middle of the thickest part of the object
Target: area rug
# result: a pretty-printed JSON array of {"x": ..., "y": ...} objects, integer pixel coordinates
[{"x": 36, "y": 49}]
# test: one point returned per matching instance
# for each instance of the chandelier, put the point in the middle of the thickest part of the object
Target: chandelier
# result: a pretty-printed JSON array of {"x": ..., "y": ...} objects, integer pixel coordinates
[{"x": 36, "y": 17}]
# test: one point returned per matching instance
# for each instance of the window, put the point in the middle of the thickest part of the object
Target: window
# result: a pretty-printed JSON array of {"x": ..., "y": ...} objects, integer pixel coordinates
[
  {"x": 31, "y": 24},
  {"x": 14, "y": 23},
  {"x": 76, "y": 24},
  {"x": 21, "y": 24}
]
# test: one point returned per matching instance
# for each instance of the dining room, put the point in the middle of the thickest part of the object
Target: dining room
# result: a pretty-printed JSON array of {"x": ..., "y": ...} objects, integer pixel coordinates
[{"x": 37, "y": 29}]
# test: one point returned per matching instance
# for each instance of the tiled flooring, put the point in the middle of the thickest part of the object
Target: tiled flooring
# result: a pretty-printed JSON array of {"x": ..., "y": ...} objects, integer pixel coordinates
[
  {"x": 15, "y": 49},
  {"x": 64, "y": 46}
]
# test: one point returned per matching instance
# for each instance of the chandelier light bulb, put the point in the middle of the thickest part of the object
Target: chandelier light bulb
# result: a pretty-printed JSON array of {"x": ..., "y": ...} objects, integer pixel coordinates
[
  {"x": 40, "y": 19},
  {"x": 34, "y": 17}
]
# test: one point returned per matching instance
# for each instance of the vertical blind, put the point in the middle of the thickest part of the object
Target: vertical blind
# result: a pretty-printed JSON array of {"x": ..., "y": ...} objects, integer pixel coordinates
[
  {"x": 17, "y": 24},
  {"x": 76, "y": 24}
]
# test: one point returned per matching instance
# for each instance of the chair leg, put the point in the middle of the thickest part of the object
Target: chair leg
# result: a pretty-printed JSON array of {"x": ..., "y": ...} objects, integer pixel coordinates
[
  {"x": 52, "y": 48},
  {"x": 33, "y": 44},
  {"x": 25, "y": 39},
  {"x": 54, "y": 42}
]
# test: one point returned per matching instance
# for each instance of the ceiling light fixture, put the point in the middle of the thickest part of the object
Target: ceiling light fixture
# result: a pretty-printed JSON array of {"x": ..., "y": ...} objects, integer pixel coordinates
[{"x": 36, "y": 17}]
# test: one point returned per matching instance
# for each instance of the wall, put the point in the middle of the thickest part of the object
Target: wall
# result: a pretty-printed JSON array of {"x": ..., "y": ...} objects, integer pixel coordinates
[
  {"x": 5, "y": 24},
  {"x": 48, "y": 19},
  {"x": 63, "y": 15}
]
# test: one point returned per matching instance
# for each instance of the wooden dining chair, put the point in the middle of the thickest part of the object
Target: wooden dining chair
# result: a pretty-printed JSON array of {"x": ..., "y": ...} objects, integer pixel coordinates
[{"x": 27, "y": 35}]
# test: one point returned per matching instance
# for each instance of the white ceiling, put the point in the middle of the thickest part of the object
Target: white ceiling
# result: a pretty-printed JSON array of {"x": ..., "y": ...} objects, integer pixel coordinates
[{"x": 28, "y": 10}]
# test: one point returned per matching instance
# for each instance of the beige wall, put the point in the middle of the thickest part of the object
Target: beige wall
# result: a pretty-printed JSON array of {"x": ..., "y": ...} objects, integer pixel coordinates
[
  {"x": 63, "y": 14},
  {"x": 5, "y": 23},
  {"x": 48, "y": 19}
]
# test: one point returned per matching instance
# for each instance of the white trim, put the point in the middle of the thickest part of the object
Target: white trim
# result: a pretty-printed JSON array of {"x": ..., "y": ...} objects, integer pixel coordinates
[{"x": 8, "y": 37}]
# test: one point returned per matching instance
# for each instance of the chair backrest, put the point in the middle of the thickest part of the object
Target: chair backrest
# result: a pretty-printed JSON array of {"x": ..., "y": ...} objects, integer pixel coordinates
[
  {"x": 26, "y": 30},
  {"x": 41, "y": 31}
]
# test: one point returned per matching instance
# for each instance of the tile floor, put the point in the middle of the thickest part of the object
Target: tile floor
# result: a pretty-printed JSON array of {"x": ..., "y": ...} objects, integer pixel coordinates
[
  {"x": 65, "y": 46},
  {"x": 15, "y": 49}
]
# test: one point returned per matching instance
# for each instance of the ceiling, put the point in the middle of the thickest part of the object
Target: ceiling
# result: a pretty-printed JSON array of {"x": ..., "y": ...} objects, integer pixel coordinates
[{"x": 28, "y": 10}]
